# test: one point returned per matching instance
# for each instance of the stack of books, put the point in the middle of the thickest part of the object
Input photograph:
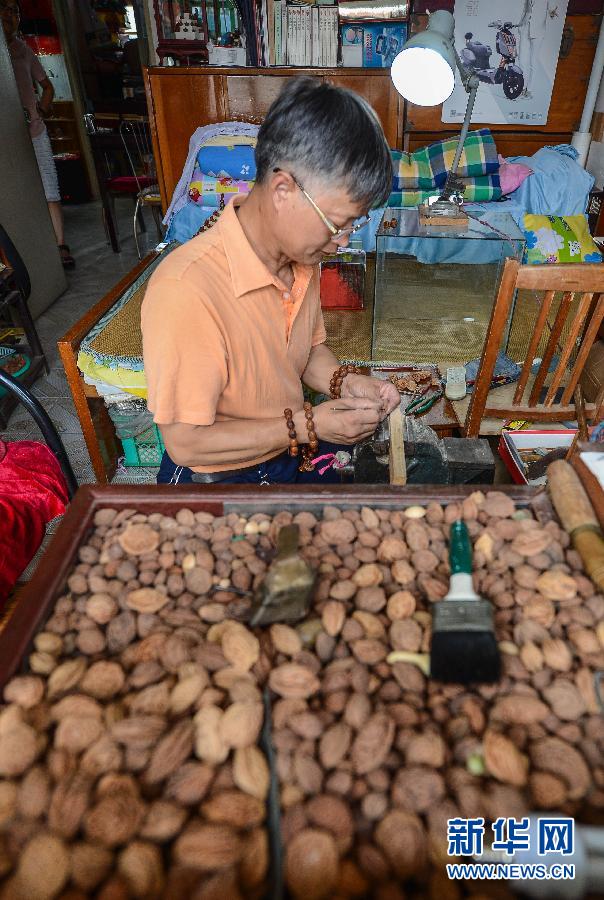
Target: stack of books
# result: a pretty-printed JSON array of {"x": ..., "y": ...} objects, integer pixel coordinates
[
  {"x": 304, "y": 35},
  {"x": 322, "y": 34}
]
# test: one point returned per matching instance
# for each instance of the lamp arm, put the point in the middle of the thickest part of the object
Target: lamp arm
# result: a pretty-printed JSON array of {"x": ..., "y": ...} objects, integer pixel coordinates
[
  {"x": 468, "y": 78},
  {"x": 471, "y": 85}
]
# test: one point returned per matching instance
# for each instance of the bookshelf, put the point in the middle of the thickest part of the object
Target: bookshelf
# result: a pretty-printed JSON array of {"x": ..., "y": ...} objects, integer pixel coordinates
[{"x": 278, "y": 33}]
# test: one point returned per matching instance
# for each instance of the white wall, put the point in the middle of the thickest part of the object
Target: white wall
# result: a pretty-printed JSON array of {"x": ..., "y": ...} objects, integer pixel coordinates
[{"x": 23, "y": 208}]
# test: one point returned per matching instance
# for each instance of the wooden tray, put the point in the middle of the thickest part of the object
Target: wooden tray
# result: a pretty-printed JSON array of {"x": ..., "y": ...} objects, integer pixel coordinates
[{"x": 37, "y": 599}]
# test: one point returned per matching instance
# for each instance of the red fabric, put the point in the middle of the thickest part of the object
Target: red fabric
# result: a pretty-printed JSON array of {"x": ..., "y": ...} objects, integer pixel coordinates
[
  {"x": 126, "y": 184},
  {"x": 32, "y": 492}
]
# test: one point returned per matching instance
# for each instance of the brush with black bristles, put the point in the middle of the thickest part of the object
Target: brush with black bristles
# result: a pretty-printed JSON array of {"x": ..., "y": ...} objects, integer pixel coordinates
[{"x": 464, "y": 648}]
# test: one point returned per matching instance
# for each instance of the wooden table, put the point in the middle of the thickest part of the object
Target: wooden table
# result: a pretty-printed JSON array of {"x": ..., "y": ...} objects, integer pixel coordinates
[{"x": 98, "y": 429}]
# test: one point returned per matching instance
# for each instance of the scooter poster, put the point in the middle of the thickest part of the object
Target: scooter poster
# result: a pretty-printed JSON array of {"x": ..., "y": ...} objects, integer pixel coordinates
[{"x": 514, "y": 57}]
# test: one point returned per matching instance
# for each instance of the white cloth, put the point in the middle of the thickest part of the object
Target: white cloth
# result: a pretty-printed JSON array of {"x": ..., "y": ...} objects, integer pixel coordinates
[
  {"x": 46, "y": 165},
  {"x": 199, "y": 137}
]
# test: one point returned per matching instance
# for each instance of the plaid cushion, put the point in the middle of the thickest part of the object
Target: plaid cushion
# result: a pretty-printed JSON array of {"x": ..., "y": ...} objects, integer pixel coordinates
[
  {"x": 477, "y": 190},
  {"x": 427, "y": 167},
  {"x": 409, "y": 198}
]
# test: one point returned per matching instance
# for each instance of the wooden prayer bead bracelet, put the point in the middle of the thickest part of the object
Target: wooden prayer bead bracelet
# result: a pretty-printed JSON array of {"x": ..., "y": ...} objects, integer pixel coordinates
[
  {"x": 308, "y": 451},
  {"x": 335, "y": 385}
]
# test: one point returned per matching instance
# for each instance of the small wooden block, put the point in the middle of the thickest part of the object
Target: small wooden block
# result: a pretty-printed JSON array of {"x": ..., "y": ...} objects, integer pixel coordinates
[
  {"x": 398, "y": 465},
  {"x": 459, "y": 222}
]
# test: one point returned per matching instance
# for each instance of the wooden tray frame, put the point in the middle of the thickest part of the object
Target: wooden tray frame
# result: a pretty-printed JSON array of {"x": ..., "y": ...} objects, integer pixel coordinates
[{"x": 37, "y": 598}]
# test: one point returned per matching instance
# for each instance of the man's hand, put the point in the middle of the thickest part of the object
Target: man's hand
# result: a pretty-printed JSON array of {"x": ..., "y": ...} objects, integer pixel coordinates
[
  {"x": 354, "y": 419},
  {"x": 374, "y": 389},
  {"x": 389, "y": 396},
  {"x": 44, "y": 104}
]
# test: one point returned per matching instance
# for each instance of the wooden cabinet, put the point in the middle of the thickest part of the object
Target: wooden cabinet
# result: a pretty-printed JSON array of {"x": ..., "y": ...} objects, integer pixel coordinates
[
  {"x": 68, "y": 152},
  {"x": 63, "y": 129},
  {"x": 181, "y": 99},
  {"x": 423, "y": 124}
]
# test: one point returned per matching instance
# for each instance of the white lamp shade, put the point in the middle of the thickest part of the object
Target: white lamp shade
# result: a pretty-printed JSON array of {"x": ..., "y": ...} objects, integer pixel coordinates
[
  {"x": 424, "y": 70},
  {"x": 423, "y": 76}
]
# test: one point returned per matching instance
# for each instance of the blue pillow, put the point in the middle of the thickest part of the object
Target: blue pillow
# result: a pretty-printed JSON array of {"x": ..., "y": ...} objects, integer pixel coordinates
[
  {"x": 187, "y": 221},
  {"x": 237, "y": 161}
]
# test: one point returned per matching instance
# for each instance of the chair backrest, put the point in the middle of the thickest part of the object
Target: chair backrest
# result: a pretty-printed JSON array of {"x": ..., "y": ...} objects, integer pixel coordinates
[
  {"x": 570, "y": 310},
  {"x": 136, "y": 139}
]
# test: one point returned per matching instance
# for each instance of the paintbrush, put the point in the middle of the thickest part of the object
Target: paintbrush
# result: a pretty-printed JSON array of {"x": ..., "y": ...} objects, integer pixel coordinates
[
  {"x": 285, "y": 593},
  {"x": 464, "y": 648}
]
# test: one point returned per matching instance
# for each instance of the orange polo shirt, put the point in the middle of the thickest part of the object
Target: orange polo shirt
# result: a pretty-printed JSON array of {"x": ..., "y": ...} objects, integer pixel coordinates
[{"x": 223, "y": 338}]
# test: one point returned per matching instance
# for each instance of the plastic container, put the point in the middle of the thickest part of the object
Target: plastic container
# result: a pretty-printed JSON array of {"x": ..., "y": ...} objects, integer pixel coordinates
[
  {"x": 24, "y": 368},
  {"x": 145, "y": 449},
  {"x": 343, "y": 279}
]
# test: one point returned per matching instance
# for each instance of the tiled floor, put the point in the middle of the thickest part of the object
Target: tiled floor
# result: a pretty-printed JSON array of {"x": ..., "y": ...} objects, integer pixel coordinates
[{"x": 97, "y": 270}]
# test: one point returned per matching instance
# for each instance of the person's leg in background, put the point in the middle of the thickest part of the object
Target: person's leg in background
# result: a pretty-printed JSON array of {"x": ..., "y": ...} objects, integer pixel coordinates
[
  {"x": 50, "y": 181},
  {"x": 56, "y": 215}
]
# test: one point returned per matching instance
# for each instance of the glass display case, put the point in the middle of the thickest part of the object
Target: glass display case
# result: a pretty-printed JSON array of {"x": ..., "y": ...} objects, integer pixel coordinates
[
  {"x": 435, "y": 286},
  {"x": 187, "y": 29},
  {"x": 182, "y": 30}
]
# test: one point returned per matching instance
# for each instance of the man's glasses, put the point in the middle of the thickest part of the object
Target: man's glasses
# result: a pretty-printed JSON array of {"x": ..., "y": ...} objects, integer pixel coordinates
[{"x": 336, "y": 233}]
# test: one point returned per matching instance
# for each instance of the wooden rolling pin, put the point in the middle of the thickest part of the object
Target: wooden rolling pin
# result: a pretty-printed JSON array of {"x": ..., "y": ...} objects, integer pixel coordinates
[{"x": 578, "y": 518}]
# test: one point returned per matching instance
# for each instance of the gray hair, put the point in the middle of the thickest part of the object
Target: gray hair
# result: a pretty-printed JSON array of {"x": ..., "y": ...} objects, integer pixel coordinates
[{"x": 329, "y": 133}]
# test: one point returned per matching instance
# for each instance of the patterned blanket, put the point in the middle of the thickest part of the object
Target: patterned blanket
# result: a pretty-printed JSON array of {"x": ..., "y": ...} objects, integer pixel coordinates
[
  {"x": 426, "y": 169},
  {"x": 477, "y": 190}
]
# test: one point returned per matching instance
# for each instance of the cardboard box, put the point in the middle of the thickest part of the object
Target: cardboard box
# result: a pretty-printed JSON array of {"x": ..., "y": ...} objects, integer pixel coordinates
[
  {"x": 227, "y": 56},
  {"x": 372, "y": 45},
  {"x": 511, "y": 442},
  {"x": 595, "y": 213}
]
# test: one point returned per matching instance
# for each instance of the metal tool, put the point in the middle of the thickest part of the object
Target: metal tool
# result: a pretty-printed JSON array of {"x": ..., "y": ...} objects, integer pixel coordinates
[
  {"x": 429, "y": 460},
  {"x": 285, "y": 593},
  {"x": 422, "y": 404}
]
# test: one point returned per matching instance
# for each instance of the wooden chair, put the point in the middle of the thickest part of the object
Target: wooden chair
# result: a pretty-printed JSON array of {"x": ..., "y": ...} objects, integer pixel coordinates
[
  {"x": 125, "y": 167},
  {"x": 580, "y": 311},
  {"x": 142, "y": 182}
]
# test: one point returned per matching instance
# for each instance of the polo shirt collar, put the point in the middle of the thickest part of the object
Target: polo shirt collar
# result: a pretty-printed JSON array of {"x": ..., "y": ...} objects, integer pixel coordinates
[{"x": 248, "y": 272}]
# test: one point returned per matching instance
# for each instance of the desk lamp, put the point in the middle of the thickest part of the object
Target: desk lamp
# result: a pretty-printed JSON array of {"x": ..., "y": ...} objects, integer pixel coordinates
[{"x": 424, "y": 74}]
